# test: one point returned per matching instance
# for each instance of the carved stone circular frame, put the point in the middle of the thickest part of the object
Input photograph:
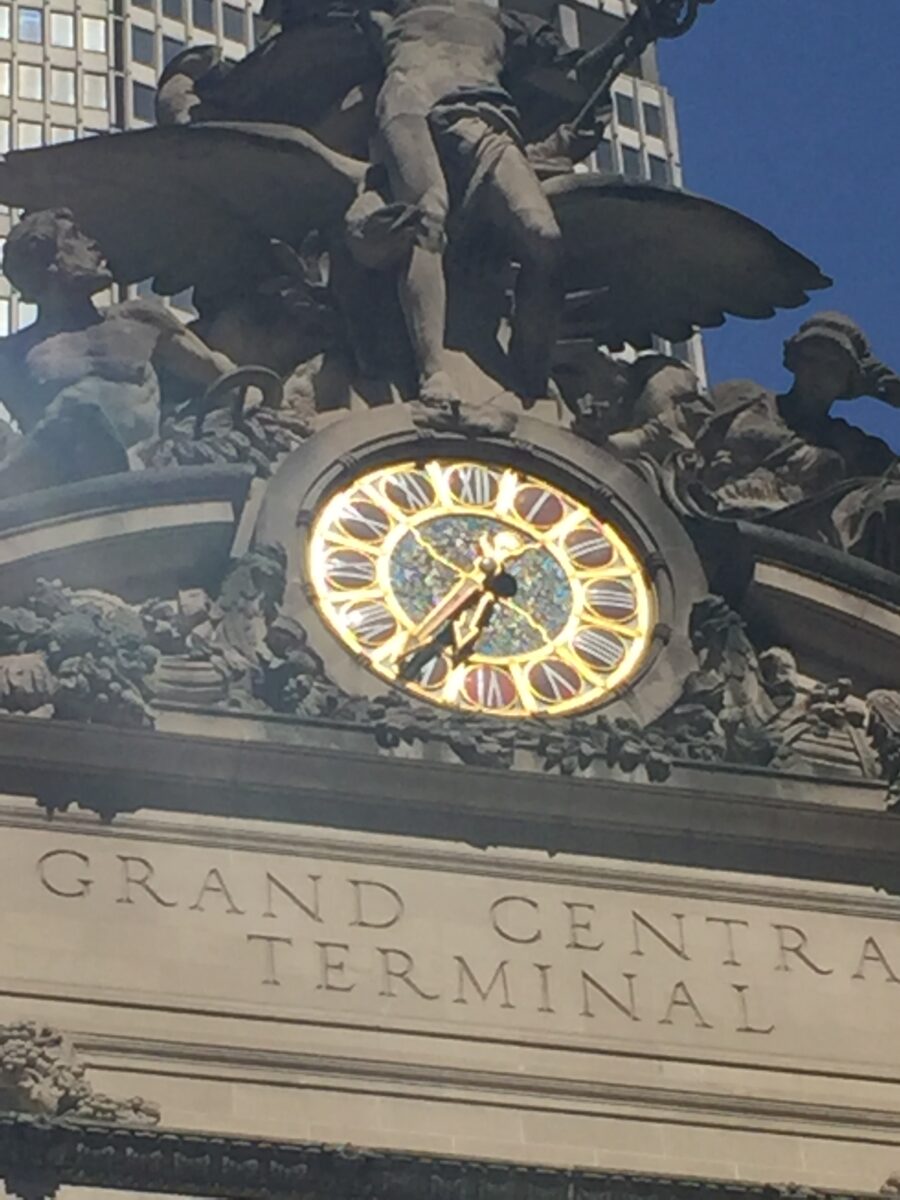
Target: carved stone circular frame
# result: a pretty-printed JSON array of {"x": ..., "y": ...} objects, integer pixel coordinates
[{"x": 330, "y": 459}]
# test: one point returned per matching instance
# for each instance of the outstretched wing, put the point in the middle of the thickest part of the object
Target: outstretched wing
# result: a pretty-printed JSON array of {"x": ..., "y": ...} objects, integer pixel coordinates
[
  {"x": 297, "y": 77},
  {"x": 641, "y": 259},
  {"x": 187, "y": 205}
]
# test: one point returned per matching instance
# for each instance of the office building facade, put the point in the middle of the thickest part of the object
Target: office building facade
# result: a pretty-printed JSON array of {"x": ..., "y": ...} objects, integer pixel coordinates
[{"x": 72, "y": 68}]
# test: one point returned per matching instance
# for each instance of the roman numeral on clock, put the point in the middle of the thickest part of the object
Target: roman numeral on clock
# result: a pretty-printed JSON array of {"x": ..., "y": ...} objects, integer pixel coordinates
[{"x": 473, "y": 485}]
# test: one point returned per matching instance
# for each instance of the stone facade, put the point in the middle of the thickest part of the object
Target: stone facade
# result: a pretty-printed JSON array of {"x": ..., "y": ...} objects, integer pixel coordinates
[
  {"x": 262, "y": 981},
  {"x": 447, "y": 749}
]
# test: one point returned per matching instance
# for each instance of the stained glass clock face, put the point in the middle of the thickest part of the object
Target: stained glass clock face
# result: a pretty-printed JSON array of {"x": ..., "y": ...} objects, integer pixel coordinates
[{"x": 481, "y": 588}]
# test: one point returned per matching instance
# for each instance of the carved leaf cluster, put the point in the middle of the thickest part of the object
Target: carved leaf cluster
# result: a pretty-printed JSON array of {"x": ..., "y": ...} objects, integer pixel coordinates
[
  {"x": 744, "y": 706},
  {"x": 40, "y": 1073},
  {"x": 90, "y": 656},
  {"x": 884, "y": 730},
  {"x": 80, "y": 656},
  {"x": 260, "y": 439}
]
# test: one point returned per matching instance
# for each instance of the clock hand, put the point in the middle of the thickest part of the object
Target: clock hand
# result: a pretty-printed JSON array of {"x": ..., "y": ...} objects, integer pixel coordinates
[
  {"x": 451, "y": 636},
  {"x": 440, "y": 629},
  {"x": 447, "y": 609},
  {"x": 459, "y": 596},
  {"x": 440, "y": 622},
  {"x": 500, "y": 585}
]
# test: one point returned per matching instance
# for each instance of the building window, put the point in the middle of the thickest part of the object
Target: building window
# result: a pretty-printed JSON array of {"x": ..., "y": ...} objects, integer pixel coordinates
[
  {"x": 30, "y": 82},
  {"x": 61, "y": 133},
  {"x": 233, "y": 22},
  {"x": 173, "y": 9},
  {"x": 62, "y": 86},
  {"x": 626, "y": 113},
  {"x": 203, "y": 14},
  {"x": 29, "y": 135},
  {"x": 143, "y": 101},
  {"x": 93, "y": 34},
  {"x": 171, "y": 47},
  {"x": 95, "y": 91},
  {"x": 659, "y": 168},
  {"x": 631, "y": 162},
  {"x": 604, "y": 155},
  {"x": 143, "y": 45},
  {"x": 5, "y": 22},
  {"x": 5, "y": 79},
  {"x": 62, "y": 30},
  {"x": 31, "y": 25},
  {"x": 143, "y": 4},
  {"x": 4, "y": 318},
  {"x": 653, "y": 121},
  {"x": 4, "y": 135},
  {"x": 568, "y": 25},
  {"x": 27, "y": 314}
]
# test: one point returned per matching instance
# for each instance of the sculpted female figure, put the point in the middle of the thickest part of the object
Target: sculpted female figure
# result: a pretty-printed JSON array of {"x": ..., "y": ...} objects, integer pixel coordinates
[{"x": 783, "y": 457}]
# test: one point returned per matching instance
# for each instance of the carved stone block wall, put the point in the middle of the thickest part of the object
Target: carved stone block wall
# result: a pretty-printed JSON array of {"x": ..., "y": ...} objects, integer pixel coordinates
[{"x": 259, "y": 981}]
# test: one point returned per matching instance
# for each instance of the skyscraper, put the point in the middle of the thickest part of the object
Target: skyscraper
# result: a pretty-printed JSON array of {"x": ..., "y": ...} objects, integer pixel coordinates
[
  {"x": 642, "y": 141},
  {"x": 69, "y": 68}
]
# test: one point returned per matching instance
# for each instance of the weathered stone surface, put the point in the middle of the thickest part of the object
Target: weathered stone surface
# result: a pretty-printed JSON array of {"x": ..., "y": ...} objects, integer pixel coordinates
[
  {"x": 389, "y": 993},
  {"x": 40, "y": 1073}
]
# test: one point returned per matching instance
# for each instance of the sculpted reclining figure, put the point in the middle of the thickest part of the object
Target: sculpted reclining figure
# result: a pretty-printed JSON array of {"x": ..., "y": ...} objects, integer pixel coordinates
[
  {"x": 743, "y": 452},
  {"x": 785, "y": 455},
  {"x": 82, "y": 383}
]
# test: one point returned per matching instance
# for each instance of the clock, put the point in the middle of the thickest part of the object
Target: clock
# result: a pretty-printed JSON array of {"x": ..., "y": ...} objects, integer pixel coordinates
[{"x": 481, "y": 587}]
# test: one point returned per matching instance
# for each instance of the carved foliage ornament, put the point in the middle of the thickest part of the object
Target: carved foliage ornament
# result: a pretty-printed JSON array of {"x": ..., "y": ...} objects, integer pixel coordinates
[
  {"x": 192, "y": 1164},
  {"x": 39, "y": 1073},
  {"x": 88, "y": 656}
]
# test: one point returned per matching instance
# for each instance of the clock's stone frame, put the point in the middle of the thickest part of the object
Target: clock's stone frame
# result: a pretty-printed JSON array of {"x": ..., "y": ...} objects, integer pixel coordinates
[{"x": 347, "y": 449}]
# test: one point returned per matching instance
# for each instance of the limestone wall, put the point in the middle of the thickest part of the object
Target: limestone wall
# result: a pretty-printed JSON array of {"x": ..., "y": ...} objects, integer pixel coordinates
[{"x": 259, "y": 979}]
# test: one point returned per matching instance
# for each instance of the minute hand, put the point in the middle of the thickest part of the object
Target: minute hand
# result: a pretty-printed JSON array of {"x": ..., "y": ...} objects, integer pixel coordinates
[
  {"x": 453, "y": 635},
  {"x": 459, "y": 598},
  {"x": 455, "y": 602}
]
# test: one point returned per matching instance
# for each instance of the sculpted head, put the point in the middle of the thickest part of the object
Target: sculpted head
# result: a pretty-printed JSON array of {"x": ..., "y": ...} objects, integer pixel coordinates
[
  {"x": 665, "y": 386},
  {"x": 48, "y": 256},
  {"x": 830, "y": 358}
]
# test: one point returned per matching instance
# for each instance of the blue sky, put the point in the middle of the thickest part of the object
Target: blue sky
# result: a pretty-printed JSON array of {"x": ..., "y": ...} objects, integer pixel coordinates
[{"x": 790, "y": 111}]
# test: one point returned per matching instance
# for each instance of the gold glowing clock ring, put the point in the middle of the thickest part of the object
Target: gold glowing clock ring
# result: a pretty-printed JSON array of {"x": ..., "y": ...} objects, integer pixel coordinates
[{"x": 405, "y": 552}]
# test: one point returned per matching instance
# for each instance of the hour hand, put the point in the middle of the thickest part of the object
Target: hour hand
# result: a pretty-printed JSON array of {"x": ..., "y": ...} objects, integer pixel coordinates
[
  {"x": 415, "y": 662},
  {"x": 436, "y": 632},
  {"x": 462, "y": 627}
]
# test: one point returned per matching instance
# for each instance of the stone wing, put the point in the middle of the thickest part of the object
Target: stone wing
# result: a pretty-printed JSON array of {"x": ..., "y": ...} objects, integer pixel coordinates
[
  {"x": 641, "y": 259},
  {"x": 187, "y": 205},
  {"x": 306, "y": 77}
]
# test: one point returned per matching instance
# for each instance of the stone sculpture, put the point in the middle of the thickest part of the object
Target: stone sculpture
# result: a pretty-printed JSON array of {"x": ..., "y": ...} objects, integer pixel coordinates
[
  {"x": 84, "y": 383},
  {"x": 785, "y": 460},
  {"x": 410, "y": 227},
  {"x": 40, "y": 1073},
  {"x": 487, "y": 145},
  {"x": 449, "y": 137}
]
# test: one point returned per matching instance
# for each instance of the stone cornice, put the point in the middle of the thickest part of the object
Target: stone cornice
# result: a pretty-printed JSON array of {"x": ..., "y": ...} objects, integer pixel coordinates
[
  {"x": 762, "y": 823},
  {"x": 37, "y": 1155}
]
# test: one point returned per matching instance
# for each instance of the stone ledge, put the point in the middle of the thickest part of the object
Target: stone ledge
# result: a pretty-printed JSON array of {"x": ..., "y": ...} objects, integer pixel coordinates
[
  {"x": 38, "y": 1155},
  {"x": 782, "y": 826}
]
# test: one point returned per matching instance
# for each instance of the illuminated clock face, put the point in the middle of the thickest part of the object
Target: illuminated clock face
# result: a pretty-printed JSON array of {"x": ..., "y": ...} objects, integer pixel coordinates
[{"x": 481, "y": 588}]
